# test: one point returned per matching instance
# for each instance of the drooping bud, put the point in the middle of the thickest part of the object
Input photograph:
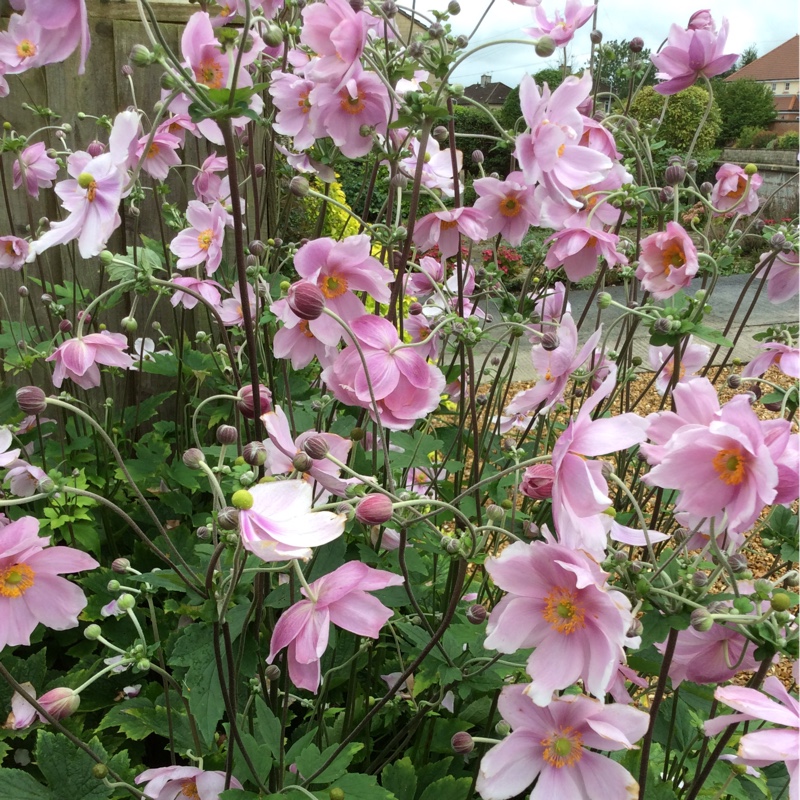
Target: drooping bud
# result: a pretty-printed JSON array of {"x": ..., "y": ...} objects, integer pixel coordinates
[
  {"x": 254, "y": 454},
  {"x": 545, "y": 47},
  {"x": 246, "y": 405},
  {"x": 141, "y": 57},
  {"x": 273, "y": 36},
  {"x": 454, "y": 7},
  {"x": 299, "y": 186},
  {"x": 316, "y": 447},
  {"x": 228, "y": 518},
  {"x": 306, "y": 300},
  {"x": 701, "y": 620},
  {"x": 120, "y": 565},
  {"x": 227, "y": 434},
  {"x": 604, "y": 299},
  {"x": 476, "y": 614},
  {"x": 462, "y": 743},
  {"x": 550, "y": 341},
  {"x": 193, "y": 458},
  {"x": 375, "y": 509},
  {"x": 302, "y": 462},
  {"x": 31, "y": 400},
  {"x": 60, "y": 703}
]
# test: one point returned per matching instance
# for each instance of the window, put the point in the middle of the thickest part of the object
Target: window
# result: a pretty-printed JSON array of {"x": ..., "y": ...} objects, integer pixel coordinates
[
  {"x": 786, "y": 86},
  {"x": 774, "y": 87}
]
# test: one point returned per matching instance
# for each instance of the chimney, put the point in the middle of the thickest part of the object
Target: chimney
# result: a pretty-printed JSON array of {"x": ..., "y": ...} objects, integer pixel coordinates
[{"x": 486, "y": 80}]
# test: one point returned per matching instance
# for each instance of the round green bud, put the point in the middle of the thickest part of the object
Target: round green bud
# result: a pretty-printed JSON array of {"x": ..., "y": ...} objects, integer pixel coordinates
[
  {"x": 336, "y": 793},
  {"x": 92, "y": 632},
  {"x": 99, "y": 771},
  {"x": 113, "y": 586},
  {"x": 85, "y": 180},
  {"x": 781, "y": 601},
  {"x": 126, "y": 601},
  {"x": 106, "y": 257},
  {"x": 242, "y": 499},
  {"x": 750, "y": 169}
]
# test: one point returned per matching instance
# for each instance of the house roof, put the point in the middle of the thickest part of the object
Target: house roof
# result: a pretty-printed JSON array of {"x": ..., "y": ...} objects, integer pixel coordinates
[
  {"x": 782, "y": 63},
  {"x": 787, "y": 103},
  {"x": 491, "y": 93}
]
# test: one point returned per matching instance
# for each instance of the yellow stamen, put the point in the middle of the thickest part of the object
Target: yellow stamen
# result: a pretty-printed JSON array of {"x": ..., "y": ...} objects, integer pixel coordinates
[
  {"x": 153, "y": 151},
  {"x": 210, "y": 73},
  {"x": 205, "y": 239},
  {"x": 189, "y": 789},
  {"x": 730, "y": 464},
  {"x": 15, "y": 580},
  {"x": 352, "y": 105},
  {"x": 333, "y": 286},
  {"x": 563, "y": 610},
  {"x": 26, "y": 49},
  {"x": 510, "y": 207},
  {"x": 447, "y": 224},
  {"x": 563, "y": 748}
]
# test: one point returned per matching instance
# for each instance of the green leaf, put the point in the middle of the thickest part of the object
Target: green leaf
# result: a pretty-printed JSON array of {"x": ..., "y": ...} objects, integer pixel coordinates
[
  {"x": 25, "y": 670},
  {"x": 269, "y": 727},
  {"x": 711, "y": 335},
  {"x": 400, "y": 779},
  {"x": 448, "y": 788},
  {"x": 18, "y": 785},
  {"x": 238, "y": 794},
  {"x": 195, "y": 650},
  {"x": 68, "y": 771},
  {"x": 138, "y": 718},
  {"x": 310, "y": 760},
  {"x": 359, "y": 787},
  {"x": 434, "y": 771},
  {"x": 259, "y": 757}
]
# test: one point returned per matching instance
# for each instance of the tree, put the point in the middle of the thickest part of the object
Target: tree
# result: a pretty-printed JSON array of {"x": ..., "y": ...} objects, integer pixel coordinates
[
  {"x": 743, "y": 104},
  {"x": 614, "y": 62},
  {"x": 684, "y": 113},
  {"x": 748, "y": 56}
]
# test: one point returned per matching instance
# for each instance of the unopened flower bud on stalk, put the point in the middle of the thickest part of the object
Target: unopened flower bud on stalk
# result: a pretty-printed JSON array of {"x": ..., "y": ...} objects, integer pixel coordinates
[
  {"x": 596, "y": 36},
  {"x": 193, "y": 458},
  {"x": 375, "y": 509},
  {"x": 60, "y": 703},
  {"x": 701, "y": 620},
  {"x": 120, "y": 565},
  {"x": 476, "y": 614},
  {"x": 31, "y": 400},
  {"x": 636, "y": 45},
  {"x": 254, "y": 454},
  {"x": 316, "y": 447},
  {"x": 462, "y": 743},
  {"x": 126, "y": 601},
  {"x": 675, "y": 174},
  {"x": 227, "y": 434},
  {"x": 299, "y": 186},
  {"x": 306, "y": 300},
  {"x": 228, "y": 517},
  {"x": 545, "y": 47},
  {"x": 302, "y": 462}
]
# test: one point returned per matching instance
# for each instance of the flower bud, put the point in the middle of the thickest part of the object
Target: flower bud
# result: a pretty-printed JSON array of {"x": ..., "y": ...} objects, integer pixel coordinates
[
  {"x": 126, "y": 601},
  {"x": 462, "y": 743},
  {"x": 272, "y": 672},
  {"x": 242, "y": 499},
  {"x": 477, "y": 157},
  {"x": 781, "y": 601},
  {"x": 306, "y": 300},
  {"x": 95, "y": 148},
  {"x": 706, "y": 188},
  {"x": 120, "y": 565},
  {"x": 440, "y": 133},
  {"x": 462, "y": 41},
  {"x": 31, "y": 400},
  {"x": 302, "y": 462},
  {"x": 299, "y": 186},
  {"x": 273, "y": 36},
  {"x": 734, "y": 381},
  {"x": 604, "y": 299},
  {"x": 203, "y": 532},
  {"x": 316, "y": 447},
  {"x": 502, "y": 728},
  {"x": 737, "y": 562},
  {"x": 254, "y": 454},
  {"x": 662, "y": 325},
  {"x": 61, "y": 702},
  {"x": 389, "y": 8},
  {"x": 550, "y": 341},
  {"x": 545, "y": 47},
  {"x": 357, "y": 434},
  {"x": 64, "y": 326},
  {"x": 436, "y": 31},
  {"x": 92, "y": 632},
  {"x": 454, "y": 7},
  {"x": 415, "y": 309},
  {"x": 666, "y": 194},
  {"x": 193, "y": 458},
  {"x": 246, "y": 404},
  {"x": 701, "y": 620},
  {"x": 699, "y": 580},
  {"x": 375, "y": 509},
  {"x": 227, "y": 434},
  {"x": 675, "y": 174},
  {"x": 141, "y": 57},
  {"x": 692, "y": 165},
  {"x": 99, "y": 771},
  {"x": 537, "y": 482},
  {"x": 228, "y": 517},
  {"x": 636, "y": 45},
  {"x": 596, "y": 36},
  {"x": 476, "y": 614}
]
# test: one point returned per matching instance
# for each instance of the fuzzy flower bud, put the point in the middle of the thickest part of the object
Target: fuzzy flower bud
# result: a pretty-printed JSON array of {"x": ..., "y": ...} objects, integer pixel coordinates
[
  {"x": 316, "y": 447},
  {"x": 92, "y": 632},
  {"x": 699, "y": 580},
  {"x": 272, "y": 672},
  {"x": 61, "y": 702},
  {"x": 462, "y": 743},
  {"x": 302, "y": 462},
  {"x": 246, "y": 404},
  {"x": 306, "y": 300},
  {"x": 675, "y": 174},
  {"x": 31, "y": 400},
  {"x": 254, "y": 454},
  {"x": 596, "y": 36},
  {"x": 375, "y": 509},
  {"x": 298, "y": 186},
  {"x": 701, "y": 620},
  {"x": 227, "y": 434},
  {"x": 193, "y": 458},
  {"x": 477, "y": 157},
  {"x": 545, "y": 47},
  {"x": 120, "y": 565},
  {"x": 550, "y": 341},
  {"x": 141, "y": 57},
  {"x": 636, "y": 45},
  {"x": 476, "y": 614},
  {"x": 228, "y": 518},
  {"x": 604, "y": 299}
]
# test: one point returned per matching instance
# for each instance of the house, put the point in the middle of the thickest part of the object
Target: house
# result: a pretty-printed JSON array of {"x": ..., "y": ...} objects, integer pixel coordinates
[
  {"x": 780, "y": 70},
  {"x": 488, "y": 93}
]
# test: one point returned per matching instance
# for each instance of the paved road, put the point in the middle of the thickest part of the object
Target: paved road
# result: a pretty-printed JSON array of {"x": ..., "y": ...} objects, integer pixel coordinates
[{"x": 726, "y": 295}]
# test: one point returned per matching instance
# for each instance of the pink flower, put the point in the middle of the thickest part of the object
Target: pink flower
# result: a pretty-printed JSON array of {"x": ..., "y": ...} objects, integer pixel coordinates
[
  {"x": 361, "y": 101},
  {"x": 783, "y": 281},
  {"x": 507, "y": 205},
  {"x": 30, "y": 590},
  {"x": 281, "y": 526},
  {"x": 7, "y": 457},
  {"x": 552, "y": 151},
  {"x": 692, "y": 358},
  {"x": 443, "y": 228},
  {"x": 77, "y": 358},
  {"x": 558, "y": 602},
  {"x": 169, "y": 783},
  {"x": 231, "y": 312},
  {"x": 787, "y": 358},
  {"x": 162, "y": 154},
  {"x": 730, "y": 188},
  {"x": 303, "y": 340},
  {"x": 724, "y": 466},
  {"x": 22, "y": 45},
  {"x": 562, "y": 28},
  {"x": 207, "y": 183},
  {"x": 768, "y": 745},
  {"x": 66, "y": 26},
  {"x": 290, "y": 94},
  {"x": 537, "y": 481},
  {"x": 424, "y": 282},
  {"x": 552, "y": 744},
  {"x": 23, "y": 478},
  {"x": 437, "y": 170},
  {"x": 13, "y": 252},
  {"x": 580, "y": 491},
  {"x": 341, "y": 598},
  {"x": 92, "y": 197},
  {"x": 712, "y": 656},
  {"x": 690, "y": 54},
  {"x": 282, "y": 448},
  {"x": 203, "y": 241},
  {"x": 668, "y": 262},
  {"x": 405, "y": 387},
  {"x": 579, "y": 250},
  {"x": 208, "y": 289},
  {"x": 553, "y": 367},
  {"x": 39, "y": 169},
  {"x": 59, "y": 703}
]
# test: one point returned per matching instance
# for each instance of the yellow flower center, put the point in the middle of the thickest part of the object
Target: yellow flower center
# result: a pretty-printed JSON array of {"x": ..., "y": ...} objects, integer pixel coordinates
[
  {"x": 672, "y": 256},
  {"x": 563, "y": 748},
  {"x": 189, "y": 789},
  {"x": 333, "y": 286},
  {"x": 210, "y": 73},
  {"x": 741, "y": 185},
  {"x": 303, "y": 103},
  {"x": 26, "y": 49},
  {"x": 304, "y": 328},
  {"x": 153, "y": 150},
  {"x": 205, "y": 239},
  {"x": 9, "y": 248},
  {"x": 15, "y": 580},
  {"x": 447, "y": 224},
  {"x": 510, "y": 207},
  {"x": 561, "y": 150},
  {"x": 563, "y": 610},
  {"x": 730, "y": 465},
  {"x": 352, "y": 105}
]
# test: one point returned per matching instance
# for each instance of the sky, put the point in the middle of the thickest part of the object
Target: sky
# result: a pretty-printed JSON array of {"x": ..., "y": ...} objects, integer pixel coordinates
[{"x": 766, "y": 25}]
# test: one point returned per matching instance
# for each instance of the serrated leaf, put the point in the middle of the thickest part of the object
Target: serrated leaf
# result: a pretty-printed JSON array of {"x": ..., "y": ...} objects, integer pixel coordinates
[
  {"x": 18, "y": 785},
  {"x": 310, "y": 760},
  {"x": 68, "y": 771},
  {"x": 711, "y": 335},
  {"x": 269, "y": 727},
  {"x": 400, "y": 779}
]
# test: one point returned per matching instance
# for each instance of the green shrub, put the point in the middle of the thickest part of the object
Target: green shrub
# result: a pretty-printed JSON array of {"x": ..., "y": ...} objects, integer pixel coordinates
[
  {"x": 743, "y": 104},
  {"x": 789, "y": 141},
  {"x": 763, "y": 138},
  {"x": 745, "y": 140},
  {"x": 496, "y": 155},
  {"x": 684, "y": 113}
]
